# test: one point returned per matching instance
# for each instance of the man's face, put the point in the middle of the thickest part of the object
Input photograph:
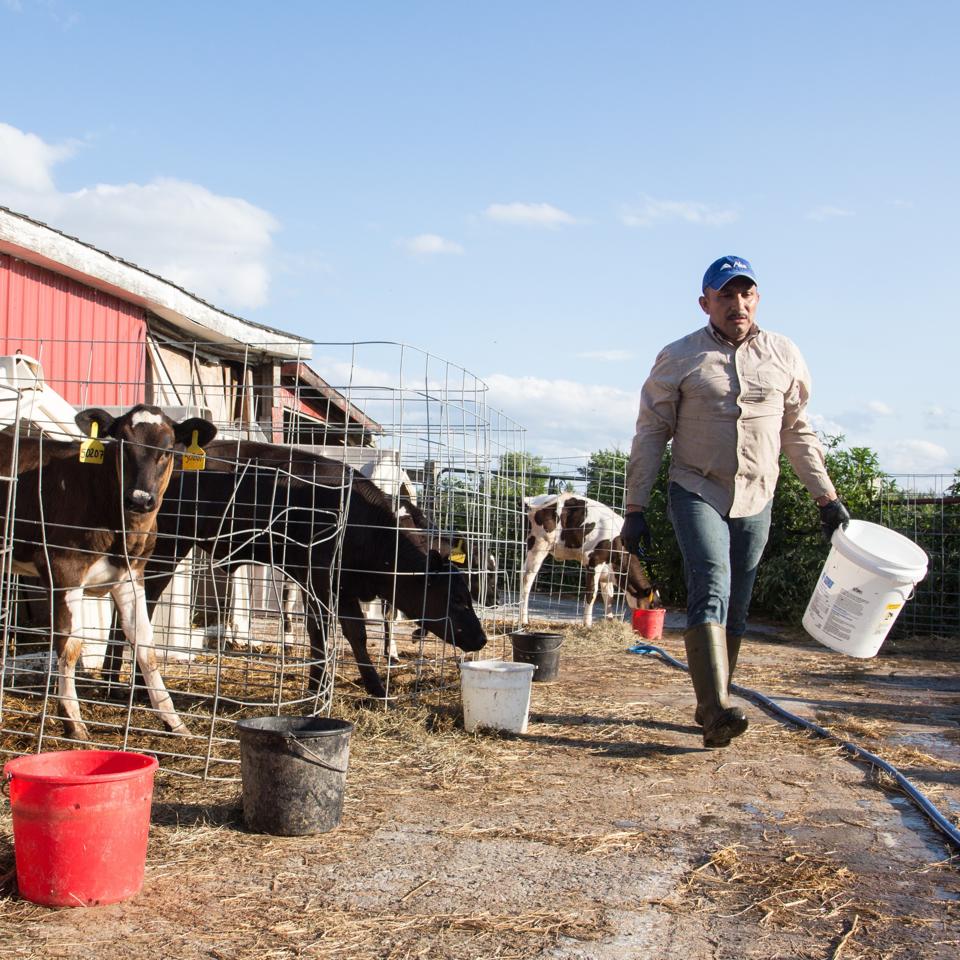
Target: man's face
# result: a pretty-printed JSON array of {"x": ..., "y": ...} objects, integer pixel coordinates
[{"x": 731, "y": 310}]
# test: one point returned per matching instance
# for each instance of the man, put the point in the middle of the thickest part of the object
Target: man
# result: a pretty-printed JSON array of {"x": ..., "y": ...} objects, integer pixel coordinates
[{"x": 731, "y": 397}]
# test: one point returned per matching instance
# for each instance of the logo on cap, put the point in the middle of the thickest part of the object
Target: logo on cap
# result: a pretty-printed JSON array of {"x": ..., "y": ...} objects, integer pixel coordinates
[{"x": 725, "y": 269}]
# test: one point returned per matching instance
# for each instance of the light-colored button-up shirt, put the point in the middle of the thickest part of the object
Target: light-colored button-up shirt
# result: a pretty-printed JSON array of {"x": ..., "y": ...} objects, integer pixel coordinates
[{"x": 729, "y": 409}]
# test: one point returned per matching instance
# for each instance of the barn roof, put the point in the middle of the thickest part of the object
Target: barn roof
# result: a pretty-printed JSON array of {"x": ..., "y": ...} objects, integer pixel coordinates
[
  {"x": 28, "y": 239},
  {"x": 319, "y": 397}
]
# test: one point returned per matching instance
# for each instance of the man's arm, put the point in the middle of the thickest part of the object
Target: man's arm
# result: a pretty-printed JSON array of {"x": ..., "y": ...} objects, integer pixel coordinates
[
  {"x": 655, "y": 425},
  {"x": 805, "y": 453},
  {"x": 799, "y": 441}
]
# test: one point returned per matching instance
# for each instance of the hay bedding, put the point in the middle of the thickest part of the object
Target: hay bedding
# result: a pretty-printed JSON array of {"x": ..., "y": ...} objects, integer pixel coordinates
[{"x": 607, "y": 785}]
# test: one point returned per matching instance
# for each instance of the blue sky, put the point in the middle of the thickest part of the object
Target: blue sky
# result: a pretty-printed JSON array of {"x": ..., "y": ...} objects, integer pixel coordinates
[{"x": 532, "y": 190}]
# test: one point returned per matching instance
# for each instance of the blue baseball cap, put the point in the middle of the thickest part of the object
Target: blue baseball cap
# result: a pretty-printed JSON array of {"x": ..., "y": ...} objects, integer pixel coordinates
[{"x": 725, "y": 269}]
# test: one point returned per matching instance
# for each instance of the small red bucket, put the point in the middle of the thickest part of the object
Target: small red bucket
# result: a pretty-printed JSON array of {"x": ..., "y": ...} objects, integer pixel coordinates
[
  {"x": 649, "y": 623},
  {"x": 80, "y": 824}
]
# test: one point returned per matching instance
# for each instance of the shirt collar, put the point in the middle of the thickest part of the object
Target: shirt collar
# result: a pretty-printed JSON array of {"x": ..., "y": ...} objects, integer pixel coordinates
[{"x": 753, "y": 332}]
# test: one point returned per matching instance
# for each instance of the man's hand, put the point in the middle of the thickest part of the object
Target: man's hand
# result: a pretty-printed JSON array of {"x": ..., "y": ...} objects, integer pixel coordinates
[
  {"x": 833, "y": 515},
  {"x": 634, "y": 532}
]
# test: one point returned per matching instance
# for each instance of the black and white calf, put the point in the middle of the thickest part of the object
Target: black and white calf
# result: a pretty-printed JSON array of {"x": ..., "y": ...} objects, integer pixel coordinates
[
  {"x": 461, "y": 552},
  {"x": 90, "y": 527},
  {"x": 572, "y": 527}
]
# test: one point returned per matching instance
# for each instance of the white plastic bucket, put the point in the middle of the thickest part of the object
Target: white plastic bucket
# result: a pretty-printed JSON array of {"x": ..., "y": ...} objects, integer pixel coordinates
[
  {"x": 869, "y": 575},
  {"x": 496, "y": 694}
]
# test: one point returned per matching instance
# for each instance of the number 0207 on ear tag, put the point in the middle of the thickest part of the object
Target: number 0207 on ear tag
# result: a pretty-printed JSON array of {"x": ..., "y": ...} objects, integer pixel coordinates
[
  {"x": 91, "y": 449},
  {"x": 194, "y": 458}
]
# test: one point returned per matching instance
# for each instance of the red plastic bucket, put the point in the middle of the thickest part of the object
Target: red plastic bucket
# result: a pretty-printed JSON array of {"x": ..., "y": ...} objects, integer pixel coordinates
[
  {"x": 80, "y": 824},
  {"x": 649, "y": 623}
]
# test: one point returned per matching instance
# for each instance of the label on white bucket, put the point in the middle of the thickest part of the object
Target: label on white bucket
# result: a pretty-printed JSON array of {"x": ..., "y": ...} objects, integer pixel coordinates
[{"x": 859, "y": 595}]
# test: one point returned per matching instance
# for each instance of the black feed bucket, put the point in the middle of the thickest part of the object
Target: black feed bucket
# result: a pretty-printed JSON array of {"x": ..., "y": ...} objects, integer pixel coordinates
[
  {"x": 294, "y": 770},
  {"x": 540, "y": 649}
]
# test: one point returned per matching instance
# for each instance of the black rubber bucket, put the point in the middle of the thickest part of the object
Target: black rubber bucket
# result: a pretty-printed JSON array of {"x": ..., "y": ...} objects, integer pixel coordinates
[
  {"x": 540, "y": 649},
  {"x": 294, "y": 770}
]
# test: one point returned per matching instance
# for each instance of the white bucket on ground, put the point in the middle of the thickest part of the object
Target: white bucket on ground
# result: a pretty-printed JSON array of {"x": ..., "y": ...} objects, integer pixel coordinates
[
  {"x": 869, "y": 575},
  {"x": 496, "y": 694}
]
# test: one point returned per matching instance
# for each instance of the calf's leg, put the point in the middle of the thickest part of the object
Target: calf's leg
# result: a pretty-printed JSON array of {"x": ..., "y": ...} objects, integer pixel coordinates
[
  {"x": 131, "y": 603},
  {"x": 354, "y": 629},
  {"x": 290, "y": 594},
  {"x": 531, "y": 567},
  {"x": 67, "y": 615},
  {"x": 390, "y": 650},
  {"x": 605, "y": 583},
  {"x": 590, "y": 596}
]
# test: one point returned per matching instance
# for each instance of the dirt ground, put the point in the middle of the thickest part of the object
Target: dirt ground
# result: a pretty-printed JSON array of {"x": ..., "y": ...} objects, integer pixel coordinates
[{"x": 605, "y": 831}]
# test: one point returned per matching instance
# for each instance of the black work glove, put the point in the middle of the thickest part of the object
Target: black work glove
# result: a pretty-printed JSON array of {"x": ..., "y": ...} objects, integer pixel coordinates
[
  {"x": 833, "y": 515},
  {"x": 634, "y": 532}
]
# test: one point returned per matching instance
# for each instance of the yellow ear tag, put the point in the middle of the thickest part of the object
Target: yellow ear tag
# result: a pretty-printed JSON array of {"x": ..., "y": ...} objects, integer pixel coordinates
[
  {"x": 91, "y": 449},
  {"x": 458, "y": 554},
  {"x": 194, "y": 458}
]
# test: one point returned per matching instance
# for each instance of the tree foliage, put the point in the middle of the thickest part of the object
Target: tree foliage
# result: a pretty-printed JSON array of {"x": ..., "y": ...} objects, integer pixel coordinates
[
  {"x": 519, "y": 473},
  {"x": 605, "y": 474}
]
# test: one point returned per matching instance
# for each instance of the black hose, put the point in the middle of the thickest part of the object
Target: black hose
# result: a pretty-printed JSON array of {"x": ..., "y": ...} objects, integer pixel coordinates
[{"x": 919, "y": 799}]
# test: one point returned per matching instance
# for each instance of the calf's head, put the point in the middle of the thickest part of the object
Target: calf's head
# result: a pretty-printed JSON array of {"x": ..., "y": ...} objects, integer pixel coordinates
[
  {"x": 448, "y": 607},
  {"x": 146, "y": 438},
  {"x": 637, "y": 587}
]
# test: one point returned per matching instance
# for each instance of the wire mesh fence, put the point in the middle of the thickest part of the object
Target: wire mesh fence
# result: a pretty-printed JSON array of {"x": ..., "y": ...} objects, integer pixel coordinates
[
  {"x": 356, "y": 509},
  {"x": 272, "y": 586},
  {"x": 926, "y": 508}
]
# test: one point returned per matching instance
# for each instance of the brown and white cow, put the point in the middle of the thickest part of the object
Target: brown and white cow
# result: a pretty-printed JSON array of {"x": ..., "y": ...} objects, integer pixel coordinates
[
  {"x": 90, "y": 527},
  {"x": 571, "y": 527}
]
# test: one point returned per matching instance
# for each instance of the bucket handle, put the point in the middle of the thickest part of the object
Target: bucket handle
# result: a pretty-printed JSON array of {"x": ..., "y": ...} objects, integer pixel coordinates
[
  {"x": 563, "y": 640},
  {"x": 5, "y": 784},
  {"x": 319, "y": 760}
]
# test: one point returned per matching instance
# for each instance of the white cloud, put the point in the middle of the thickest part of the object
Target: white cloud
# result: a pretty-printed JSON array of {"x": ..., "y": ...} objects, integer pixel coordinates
[
  {"x": 427, "y": 244},
  {"x": 27, "y": 162},
  {"x": 828, "y": 213},
  {"x": 529, "y": 214},
  {"x": 652, "y": 211},
  {"x": 915, "y": 456},
  {"x": 611, "y": 356},
  {"x": 347, "y": 374},
  {"x": 209, "y": 244},
  {"x": 938, "y": 417},
  {"x": 564, "y": 417},
  {"x": 865, "y": 417},
  {"x": 827, "y": 427},
  {"x": 214, "y": 246}
]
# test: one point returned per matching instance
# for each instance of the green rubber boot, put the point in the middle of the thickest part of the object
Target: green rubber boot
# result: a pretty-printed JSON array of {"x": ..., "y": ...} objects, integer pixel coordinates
[
  {"x": 733, "y": 652},
  {"x": 706, "y": 646}
]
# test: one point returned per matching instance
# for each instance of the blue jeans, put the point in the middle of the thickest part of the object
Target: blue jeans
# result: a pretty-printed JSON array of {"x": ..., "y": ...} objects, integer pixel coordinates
[{"x": 720, "y": 558}]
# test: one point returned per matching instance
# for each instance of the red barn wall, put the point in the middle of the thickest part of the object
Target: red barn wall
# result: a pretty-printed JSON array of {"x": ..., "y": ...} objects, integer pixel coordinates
[{"x": 92, "y": 345}]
